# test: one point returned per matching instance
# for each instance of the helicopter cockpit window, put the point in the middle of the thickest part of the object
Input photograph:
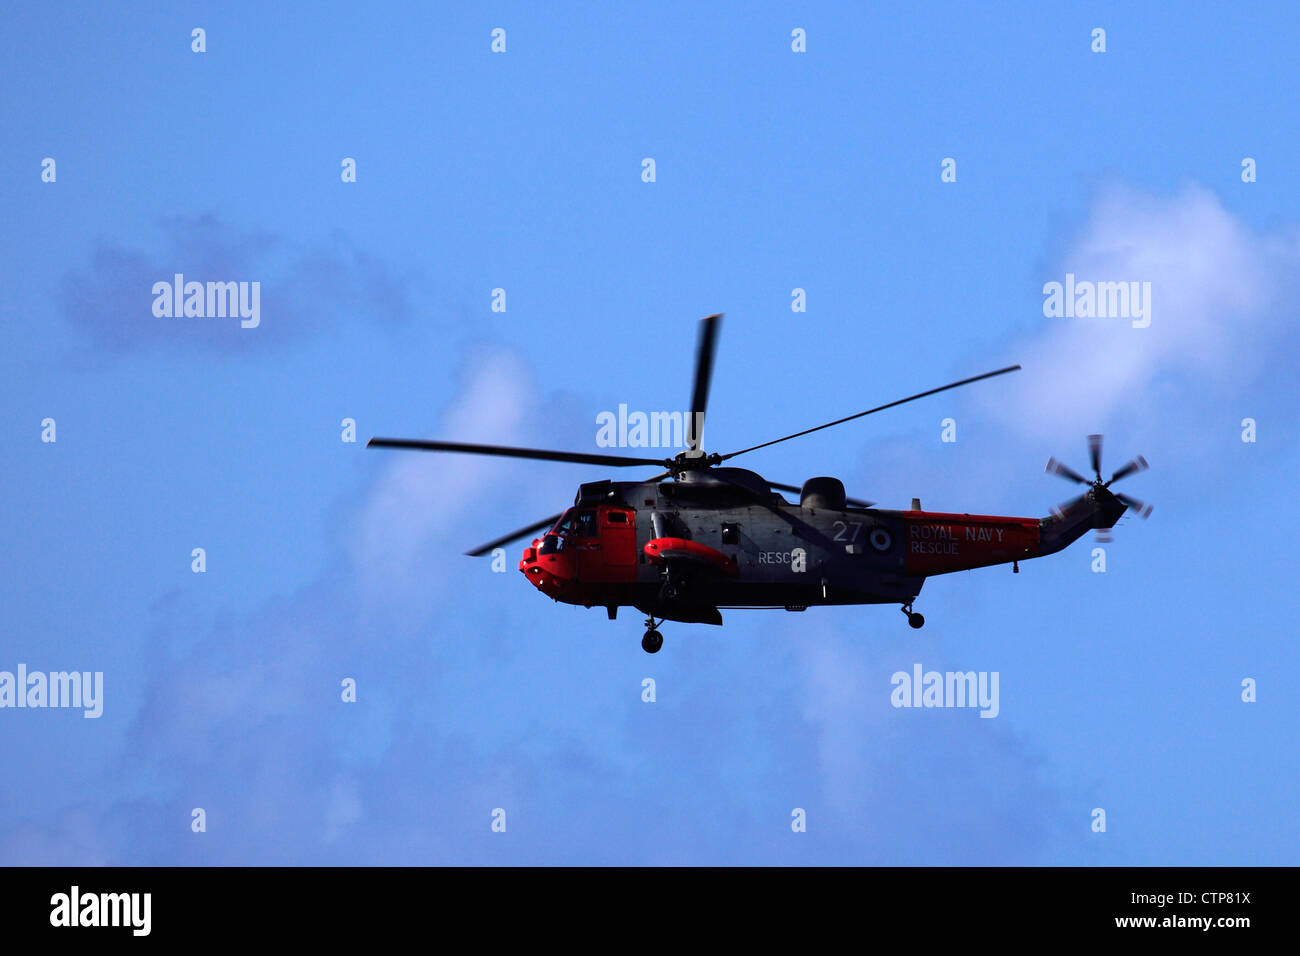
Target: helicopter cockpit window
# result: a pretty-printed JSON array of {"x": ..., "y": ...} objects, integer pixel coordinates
[
  {"x": 584, "y": 524},
  {"x": 574, "y": 524}
]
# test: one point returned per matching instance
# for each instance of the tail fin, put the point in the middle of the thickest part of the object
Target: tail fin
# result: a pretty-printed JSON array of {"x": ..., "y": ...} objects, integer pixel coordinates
[{"x": 1096, "y": 508}]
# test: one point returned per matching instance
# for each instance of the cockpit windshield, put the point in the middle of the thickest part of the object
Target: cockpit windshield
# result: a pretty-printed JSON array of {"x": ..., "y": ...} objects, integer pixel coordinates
[
  {"x": 577, "y": 523},
  {"x": 574, "y": 523}
]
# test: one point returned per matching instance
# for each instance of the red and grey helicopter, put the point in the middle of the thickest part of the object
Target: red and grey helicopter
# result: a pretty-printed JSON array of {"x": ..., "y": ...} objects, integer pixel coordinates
[{"x": 703, "y": 537}]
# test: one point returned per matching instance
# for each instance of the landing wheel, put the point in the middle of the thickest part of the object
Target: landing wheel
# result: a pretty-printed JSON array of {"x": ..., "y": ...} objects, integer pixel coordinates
[
  {"x": 916, "y": 620},
  {"x": 652, "y": 641}
]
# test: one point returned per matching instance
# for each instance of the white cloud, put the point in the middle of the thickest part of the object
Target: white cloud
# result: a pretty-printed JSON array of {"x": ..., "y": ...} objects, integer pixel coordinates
[
  {"x": 1217, "y": 291},
  {"x": 422, "y": 496}
]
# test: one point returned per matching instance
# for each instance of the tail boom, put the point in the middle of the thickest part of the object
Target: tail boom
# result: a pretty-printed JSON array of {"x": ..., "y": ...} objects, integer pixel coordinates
[{"x": 942, "y": 543}]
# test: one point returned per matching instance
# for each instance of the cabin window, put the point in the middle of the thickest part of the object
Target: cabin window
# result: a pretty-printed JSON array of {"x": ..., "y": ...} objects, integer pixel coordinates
[
  {"x": 617, "y": 517},
  {"x": 731, "y": 534}
]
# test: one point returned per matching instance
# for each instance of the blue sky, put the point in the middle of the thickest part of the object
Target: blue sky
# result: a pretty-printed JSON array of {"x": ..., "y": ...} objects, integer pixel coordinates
[{"x": 775, "y": 170}]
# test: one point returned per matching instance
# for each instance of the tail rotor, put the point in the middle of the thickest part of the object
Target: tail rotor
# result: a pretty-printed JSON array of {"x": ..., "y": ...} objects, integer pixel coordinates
[{"x": 1099, "y": 488}]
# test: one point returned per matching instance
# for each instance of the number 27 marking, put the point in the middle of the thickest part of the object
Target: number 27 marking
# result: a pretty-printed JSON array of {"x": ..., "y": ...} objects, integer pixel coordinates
[{"x": 842, "y": 527}]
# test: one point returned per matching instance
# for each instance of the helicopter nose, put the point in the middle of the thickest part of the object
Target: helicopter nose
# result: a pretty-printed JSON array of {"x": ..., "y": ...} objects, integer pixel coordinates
[{"x": 552, "y": 574}]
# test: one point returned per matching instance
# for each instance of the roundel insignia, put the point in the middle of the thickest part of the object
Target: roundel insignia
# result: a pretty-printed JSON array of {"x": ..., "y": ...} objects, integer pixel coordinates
[{"x": 881, "y": 539}]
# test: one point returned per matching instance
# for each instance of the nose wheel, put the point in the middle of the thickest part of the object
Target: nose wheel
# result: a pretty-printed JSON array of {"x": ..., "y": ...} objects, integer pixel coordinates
[
  {"x": 917, "y": 621},
  {"x": 653, "y": 640}
]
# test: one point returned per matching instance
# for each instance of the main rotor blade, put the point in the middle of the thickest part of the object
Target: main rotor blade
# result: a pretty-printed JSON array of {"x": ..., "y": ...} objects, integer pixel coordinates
[
  {"x": 796, "y": 490},
  {"x": 546, "y": 523},
  {"x": 703, "y": 375},
  {"x": 878, "y": 408},
  {"x": 1137, "y": 464},
  {"x": 1065, "y": 471},
  {"x": 1094, "y": 454},
  {"x": 577, "y": 458}
]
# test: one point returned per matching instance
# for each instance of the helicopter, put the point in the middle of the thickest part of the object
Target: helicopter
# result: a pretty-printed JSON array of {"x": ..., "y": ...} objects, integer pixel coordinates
[{"x": 702, "y": 537}]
